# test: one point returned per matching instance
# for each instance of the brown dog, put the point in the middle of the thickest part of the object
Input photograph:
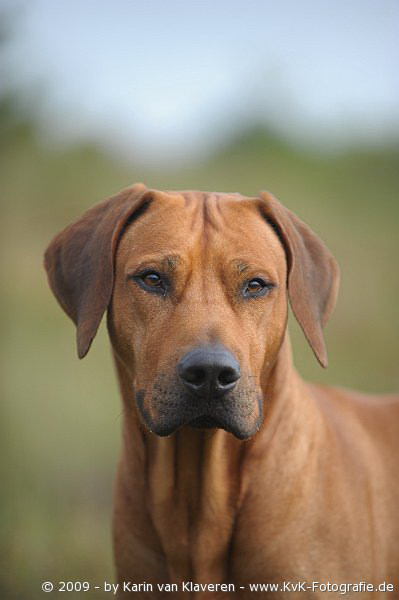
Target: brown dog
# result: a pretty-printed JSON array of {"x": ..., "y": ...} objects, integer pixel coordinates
[{"x": 196, "y": 290}]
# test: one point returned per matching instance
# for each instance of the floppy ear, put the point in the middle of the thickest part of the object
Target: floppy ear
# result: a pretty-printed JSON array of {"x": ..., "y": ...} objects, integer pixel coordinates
[
  {"x": 313, "y": 274},
  {"x": 80, "y": 260}
]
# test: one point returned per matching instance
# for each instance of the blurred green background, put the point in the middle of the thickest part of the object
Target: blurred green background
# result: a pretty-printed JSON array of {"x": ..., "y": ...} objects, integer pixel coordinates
[{"x": 61, "y": 417}]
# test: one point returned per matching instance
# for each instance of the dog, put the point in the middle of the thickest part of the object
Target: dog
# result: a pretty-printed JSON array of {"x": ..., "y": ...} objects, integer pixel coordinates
[{"x": 234, "y": 471}]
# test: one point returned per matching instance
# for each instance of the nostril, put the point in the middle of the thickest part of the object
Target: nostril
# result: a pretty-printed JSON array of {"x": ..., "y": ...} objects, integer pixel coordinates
[
  {"x": 227, "y": 376},
  {"x": 194, "y": 375}
]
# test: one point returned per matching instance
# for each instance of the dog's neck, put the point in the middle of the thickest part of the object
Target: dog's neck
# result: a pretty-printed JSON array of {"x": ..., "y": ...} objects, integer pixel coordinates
[{"x": 197, "y": 480}]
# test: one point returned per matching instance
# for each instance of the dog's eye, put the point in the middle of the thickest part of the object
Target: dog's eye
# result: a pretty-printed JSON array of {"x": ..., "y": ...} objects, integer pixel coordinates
[
  {"x": 256, "y": 287},
  {"x": 151, "y": 281}
]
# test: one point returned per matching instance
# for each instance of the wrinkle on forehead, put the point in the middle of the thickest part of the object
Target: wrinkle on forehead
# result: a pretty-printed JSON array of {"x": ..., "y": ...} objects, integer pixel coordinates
[
  {"x": 205, "y": 223},
  {"x": 205, "y": 212}
]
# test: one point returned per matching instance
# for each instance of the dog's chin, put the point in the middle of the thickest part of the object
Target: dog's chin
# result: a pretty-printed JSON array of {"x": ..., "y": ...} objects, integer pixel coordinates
[
  {"x": 205, "y": 422},
  {"x": 241, "y": 430},
  {"x": 166, "y": 427}
]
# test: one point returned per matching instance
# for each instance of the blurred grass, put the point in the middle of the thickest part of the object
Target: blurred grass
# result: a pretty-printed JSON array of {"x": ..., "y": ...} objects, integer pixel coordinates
[{"x": 61, "y": 423}]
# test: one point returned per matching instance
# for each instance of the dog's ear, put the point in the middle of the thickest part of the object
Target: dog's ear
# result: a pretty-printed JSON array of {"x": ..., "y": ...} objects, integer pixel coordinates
[
  {"x": 313, "y": 274},
  {"x": 80, "y": 260}
]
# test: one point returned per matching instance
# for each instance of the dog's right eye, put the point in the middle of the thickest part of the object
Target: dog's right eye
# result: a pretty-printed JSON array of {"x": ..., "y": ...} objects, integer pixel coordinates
[{"x": 151, "y": 281}]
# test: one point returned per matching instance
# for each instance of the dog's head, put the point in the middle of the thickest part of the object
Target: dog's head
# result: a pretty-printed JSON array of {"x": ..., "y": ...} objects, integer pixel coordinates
[{"x": 196, "y": 290}]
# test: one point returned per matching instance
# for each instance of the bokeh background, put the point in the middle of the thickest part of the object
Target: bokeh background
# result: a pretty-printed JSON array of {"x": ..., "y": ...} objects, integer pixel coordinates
[{"x": 301, "y": 98}]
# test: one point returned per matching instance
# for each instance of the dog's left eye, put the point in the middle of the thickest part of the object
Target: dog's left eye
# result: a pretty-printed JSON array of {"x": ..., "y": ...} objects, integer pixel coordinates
[{"x": 256, "y": 287}]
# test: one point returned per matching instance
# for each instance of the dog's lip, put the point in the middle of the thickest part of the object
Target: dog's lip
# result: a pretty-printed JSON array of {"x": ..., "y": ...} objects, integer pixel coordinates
[
  {"x": 199, "y": 416},
  {"x": 205, "y": 422}
]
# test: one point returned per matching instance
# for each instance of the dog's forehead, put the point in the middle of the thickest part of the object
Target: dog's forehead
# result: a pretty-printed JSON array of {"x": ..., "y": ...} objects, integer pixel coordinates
[{"x": 174, "y": 222}]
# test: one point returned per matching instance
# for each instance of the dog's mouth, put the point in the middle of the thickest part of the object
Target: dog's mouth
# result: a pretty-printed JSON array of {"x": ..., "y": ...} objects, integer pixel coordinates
[{"x": 169, "y": 408}]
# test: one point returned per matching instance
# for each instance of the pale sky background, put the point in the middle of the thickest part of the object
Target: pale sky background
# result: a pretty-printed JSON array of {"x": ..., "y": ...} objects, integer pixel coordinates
[{"x": 167, "y": 78}]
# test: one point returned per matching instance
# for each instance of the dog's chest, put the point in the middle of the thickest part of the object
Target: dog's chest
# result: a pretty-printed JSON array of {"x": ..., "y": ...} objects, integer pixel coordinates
[
  {"x": 193, "y": 510},
  {"x": 196, "y": 535}
]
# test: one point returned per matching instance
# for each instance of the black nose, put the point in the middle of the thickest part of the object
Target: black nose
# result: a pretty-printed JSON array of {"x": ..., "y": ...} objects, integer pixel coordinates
[{"x": 209, "y": 371}]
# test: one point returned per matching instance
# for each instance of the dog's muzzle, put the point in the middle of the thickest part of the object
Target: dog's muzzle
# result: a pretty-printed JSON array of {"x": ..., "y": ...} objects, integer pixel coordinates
[{"x": 207, "y": 391}]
